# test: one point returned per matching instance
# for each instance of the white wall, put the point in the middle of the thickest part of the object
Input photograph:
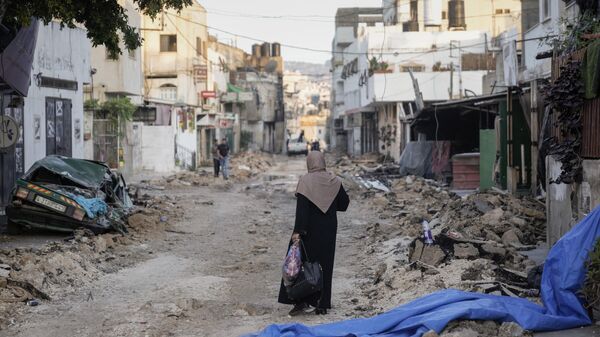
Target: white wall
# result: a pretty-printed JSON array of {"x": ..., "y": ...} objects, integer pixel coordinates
[
  {"x": 158, "y": 148},
  {"x": 60, "y": 53},
  {"x": 123, "y": 74},
  {"x": 548, "y": 26}
]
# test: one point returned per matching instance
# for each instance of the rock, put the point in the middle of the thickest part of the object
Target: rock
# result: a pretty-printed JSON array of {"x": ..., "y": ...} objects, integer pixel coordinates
[
  {"x": 432, "y": 255},
  {"x": 431, "y": 333},
  {"x": 493, "y": 217},
  {"x": 4, "y": 273},
  {"x": 510, "y": 238},
  {"x": 510, "y": 329},
  {"x": 518, "y": 221},
  {"x": 491, "y": 236},
  {"x": 3, "y": 282},
  {"x": 493, "y": 250},
  {"x": 100, "y": 245},
  {"x": 465, "y": 251},
  {"x": 381, "y": 269},
  {"x": 462, "y": 333}
]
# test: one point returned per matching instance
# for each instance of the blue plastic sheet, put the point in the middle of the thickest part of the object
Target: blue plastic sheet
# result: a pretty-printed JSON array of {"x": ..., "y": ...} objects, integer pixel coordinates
[
  {"x": 563, "y": 276},
  {"x": 93, "y": 206}
]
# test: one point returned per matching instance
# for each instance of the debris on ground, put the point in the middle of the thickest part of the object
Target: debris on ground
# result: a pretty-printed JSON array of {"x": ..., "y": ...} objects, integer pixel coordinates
[
  {"x": 242, "y": 166},
  {"x": 62, "y": 194}
]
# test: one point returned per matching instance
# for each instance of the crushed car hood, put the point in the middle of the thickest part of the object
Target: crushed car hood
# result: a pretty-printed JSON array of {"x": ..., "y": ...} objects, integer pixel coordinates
[{"x": 85, "y": 173}]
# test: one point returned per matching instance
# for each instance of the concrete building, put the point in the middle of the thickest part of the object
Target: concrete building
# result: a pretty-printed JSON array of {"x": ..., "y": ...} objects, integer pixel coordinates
[
  {"x": 443, "y": 45},
  {"x": 49, "y": 114},
  {"x": 346, "y": 27},
  {"x": 115, "y": 76},
  {"x": 176, "y": 66}
]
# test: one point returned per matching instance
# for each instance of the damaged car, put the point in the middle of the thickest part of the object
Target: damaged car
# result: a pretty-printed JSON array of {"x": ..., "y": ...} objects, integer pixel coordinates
[{"x": 63, "y": 194}]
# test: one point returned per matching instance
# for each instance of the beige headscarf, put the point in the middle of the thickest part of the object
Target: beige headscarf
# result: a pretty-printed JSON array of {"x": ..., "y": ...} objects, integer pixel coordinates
[{"x": 318, "y": 186}]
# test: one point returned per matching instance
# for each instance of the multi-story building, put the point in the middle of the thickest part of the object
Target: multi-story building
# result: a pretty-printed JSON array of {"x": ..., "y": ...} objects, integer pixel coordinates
[
  {"x": 176, "y": 66},
  {"x": 114, "y": 76},
  {"x": 422, "y": 52},
  {"x": 347, "y": 21}
]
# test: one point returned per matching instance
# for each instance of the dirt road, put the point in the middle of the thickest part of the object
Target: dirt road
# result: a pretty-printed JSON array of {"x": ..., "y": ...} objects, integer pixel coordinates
[{"x": 215, "y": 274}]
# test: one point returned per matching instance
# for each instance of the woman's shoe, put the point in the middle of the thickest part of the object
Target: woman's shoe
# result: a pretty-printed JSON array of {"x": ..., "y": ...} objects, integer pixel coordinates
[{"x": 321, "y": 311}]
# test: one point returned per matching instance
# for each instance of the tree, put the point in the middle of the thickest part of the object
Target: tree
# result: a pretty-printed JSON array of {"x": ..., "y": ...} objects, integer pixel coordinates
[{"x": 105, "y": 20}]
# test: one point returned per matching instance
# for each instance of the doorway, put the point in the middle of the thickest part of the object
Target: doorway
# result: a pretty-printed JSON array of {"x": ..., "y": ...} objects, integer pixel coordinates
[{"x": 58, "y": 127}]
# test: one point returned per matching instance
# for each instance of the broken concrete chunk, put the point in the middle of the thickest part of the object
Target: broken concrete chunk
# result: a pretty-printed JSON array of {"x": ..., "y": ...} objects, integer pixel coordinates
[
  {"x": 511, "y": 238},
  {"x": 431, "y": 333},
  {"x": 432, "y": 255},
  {"x": 493, "y": 250},
  {"x": 491, "y": 236},
  {"x": 510, "y": 329},
  {"x": 493, "y": 217},
  {"x": 465, "y": 251}
]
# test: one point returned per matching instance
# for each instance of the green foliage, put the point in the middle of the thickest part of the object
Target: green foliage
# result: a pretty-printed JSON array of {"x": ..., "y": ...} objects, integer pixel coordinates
[
  {"x": 119, "y": 108},
  {"x": 91, "y": 104},
  {"x": 245, "y": 139},
  {"x": 565, "y": 97},
  {"x": 570, "y": 38},
  {"x": 591, "y": 286},
  {"x": 105, "y": 20}
]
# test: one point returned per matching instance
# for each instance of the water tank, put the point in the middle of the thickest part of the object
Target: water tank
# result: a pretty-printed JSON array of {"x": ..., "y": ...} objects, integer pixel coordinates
[
  {"x": 256, "y": 50},
  {"x": 432, "y": 12},
  {"x": 266, "y": 49},
  {"x": 276, "y": 49},
  {"x": 456, "y": 14},
  {"x": 410, "y": 26}
]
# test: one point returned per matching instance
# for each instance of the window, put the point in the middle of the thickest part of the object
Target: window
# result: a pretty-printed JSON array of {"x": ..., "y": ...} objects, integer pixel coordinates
[
  {"x": 168, "y": 43},
  {"x": 168, "y": 92},
  {"x": 199, "y": 47},
  {"x": 498, "y": 11},
  {"x": 444, "y": 15},
  {"x": 507, "y": 11},
  {"x": 545, "y": 9}
]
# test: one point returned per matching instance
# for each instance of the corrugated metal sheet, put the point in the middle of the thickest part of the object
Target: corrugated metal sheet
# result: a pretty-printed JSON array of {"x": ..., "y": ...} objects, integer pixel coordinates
[{"x": 590, "y": 115}]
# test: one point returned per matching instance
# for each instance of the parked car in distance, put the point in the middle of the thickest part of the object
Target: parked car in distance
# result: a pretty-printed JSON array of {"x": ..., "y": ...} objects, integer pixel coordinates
[{"x": 297, "y": 147}]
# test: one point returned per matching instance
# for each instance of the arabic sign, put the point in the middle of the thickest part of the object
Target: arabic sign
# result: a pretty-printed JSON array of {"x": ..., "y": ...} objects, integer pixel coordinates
[
  {"x": 200, "y": 73},
  {"x": 9, "y": 132}
]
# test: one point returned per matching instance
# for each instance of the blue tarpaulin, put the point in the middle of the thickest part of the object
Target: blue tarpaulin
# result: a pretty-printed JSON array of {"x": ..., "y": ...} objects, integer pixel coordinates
[
  {"x": 563, "y": 276},
  {"x": 92, "y": 206}
]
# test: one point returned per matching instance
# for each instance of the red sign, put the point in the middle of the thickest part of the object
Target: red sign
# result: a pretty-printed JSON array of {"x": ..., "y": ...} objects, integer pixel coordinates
[
  {"x": 225, "y": 123},
  {"x": 208, "y": 94}
]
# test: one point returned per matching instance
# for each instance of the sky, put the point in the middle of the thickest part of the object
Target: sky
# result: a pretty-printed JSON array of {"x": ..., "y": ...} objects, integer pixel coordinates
[{"x": 304, "y": 23}]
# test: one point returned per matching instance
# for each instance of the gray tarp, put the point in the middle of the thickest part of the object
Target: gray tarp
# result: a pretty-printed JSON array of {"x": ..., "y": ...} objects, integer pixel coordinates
[
  {"x": 17, "y": 59},
  {"x": 416, "y": 159}
]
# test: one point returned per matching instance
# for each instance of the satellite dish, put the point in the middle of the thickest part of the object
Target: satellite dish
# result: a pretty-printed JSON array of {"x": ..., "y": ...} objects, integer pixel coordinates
[{"x": 271, "y": 66}]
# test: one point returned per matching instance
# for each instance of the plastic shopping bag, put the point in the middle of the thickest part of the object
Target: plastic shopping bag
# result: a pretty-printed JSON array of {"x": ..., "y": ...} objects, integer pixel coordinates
[{"x": 292, "y": 264}]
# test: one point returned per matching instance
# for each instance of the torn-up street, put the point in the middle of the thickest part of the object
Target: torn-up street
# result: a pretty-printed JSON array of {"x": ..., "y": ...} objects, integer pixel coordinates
[{"x": 342, "y": 168}]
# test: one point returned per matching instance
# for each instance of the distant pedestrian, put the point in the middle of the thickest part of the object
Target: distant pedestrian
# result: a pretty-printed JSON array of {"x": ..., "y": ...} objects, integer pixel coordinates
[
  {"x": 320, "y": 195},
  {"x": 216, "y": 157},
  {"x": 224, "y": 155}
]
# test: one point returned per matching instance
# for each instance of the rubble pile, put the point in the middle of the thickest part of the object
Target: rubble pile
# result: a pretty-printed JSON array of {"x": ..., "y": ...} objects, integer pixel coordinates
[
  {"x": 61, "y": 267},
  {"x": 478, "y": 243},
  {"x": 242, "y": 167}
]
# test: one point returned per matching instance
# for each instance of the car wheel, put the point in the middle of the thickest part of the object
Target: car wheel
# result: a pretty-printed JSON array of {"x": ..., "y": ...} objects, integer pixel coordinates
[{"x": 13, "y": 228}]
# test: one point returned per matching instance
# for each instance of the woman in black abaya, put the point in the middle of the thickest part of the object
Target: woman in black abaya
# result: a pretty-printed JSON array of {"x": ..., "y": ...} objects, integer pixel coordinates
[{"x": 320, "y": 195}]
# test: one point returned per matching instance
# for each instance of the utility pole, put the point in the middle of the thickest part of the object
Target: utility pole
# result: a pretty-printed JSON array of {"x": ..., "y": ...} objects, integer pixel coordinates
[{"x": 451, "y": 91}]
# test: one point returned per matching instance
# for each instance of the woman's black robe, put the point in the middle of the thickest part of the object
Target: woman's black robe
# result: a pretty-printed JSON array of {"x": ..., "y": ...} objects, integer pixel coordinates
[{"x": 318, "y": 231}]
